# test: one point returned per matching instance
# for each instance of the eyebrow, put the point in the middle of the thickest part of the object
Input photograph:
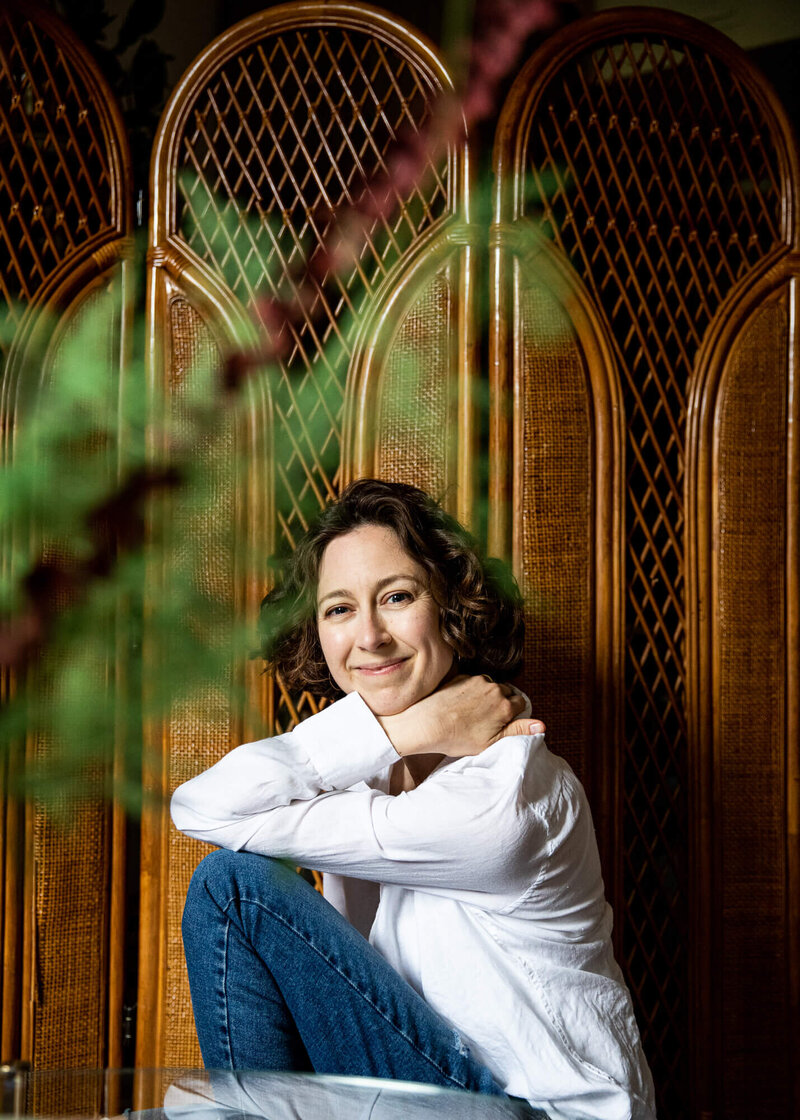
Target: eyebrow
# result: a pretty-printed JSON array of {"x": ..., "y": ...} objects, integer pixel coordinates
[{"x": 343, "y": 593}]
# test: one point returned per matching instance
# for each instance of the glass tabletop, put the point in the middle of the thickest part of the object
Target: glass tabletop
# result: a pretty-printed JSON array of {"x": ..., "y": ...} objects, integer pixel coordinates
[{"x": 169, "y": 1094}]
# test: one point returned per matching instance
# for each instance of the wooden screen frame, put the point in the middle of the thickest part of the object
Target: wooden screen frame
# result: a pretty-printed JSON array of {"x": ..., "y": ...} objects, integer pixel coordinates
[
  {"x": 453, "y": 241},
  {"x": 173, "y": 275},
  {"x": 776, "y": 269},
  {"x": 517, "y": 247},
  {"x": 781, "y": 271},
  {"x": 174, "y": 266},
  {"x": 100, "y": 260}
]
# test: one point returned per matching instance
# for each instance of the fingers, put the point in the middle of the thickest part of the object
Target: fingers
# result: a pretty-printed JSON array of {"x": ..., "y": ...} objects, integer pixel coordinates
[
  {"x": 503, "y": 697},
  {"x": 505, "y": 700},
  {"x": 517, "y": 702},
  {"x": 524, "y": 727},
  {"x": 489, "y": 706},
  {"x": 505, "y": 688}
]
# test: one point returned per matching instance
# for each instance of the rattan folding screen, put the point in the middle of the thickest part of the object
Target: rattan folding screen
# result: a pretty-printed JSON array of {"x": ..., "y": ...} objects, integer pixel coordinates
[
  {"x": 646, "y": 487},
  {"x": 64, "y": 238},
  {"x": 273, "y": 135},
  {"x": 644, "y": 471}
]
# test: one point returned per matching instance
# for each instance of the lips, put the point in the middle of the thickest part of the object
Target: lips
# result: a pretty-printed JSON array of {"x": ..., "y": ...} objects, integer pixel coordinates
[{"x": 384, "y": 668}]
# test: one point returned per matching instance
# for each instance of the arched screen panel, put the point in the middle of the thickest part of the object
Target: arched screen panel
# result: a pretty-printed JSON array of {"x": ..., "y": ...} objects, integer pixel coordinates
[
  {"x": 278, "y": 216},
  {"x": 64, "y": 241},
  {"x": 647, "y": 150}
]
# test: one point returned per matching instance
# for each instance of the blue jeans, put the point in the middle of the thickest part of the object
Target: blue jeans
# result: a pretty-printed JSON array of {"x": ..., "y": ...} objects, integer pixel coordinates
[{"x": 281, "y": 981}]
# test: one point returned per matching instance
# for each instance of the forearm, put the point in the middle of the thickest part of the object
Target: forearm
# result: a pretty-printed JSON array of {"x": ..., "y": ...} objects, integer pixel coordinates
[
  {"x": 407, "y": 733},
  {"x": 462, "y": 717},
  {"x": 337, "y": 748},
  {"x": 464, "y": 830},
  {"x": 306, "y": 797}
]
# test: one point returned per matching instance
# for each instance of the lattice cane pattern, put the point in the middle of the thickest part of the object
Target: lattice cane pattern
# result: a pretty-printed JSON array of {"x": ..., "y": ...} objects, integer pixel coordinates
[
  {"x": 657, "y": 180},
  {"x": 285, "y": 135},
  {"x": 288, "y": 132},
  {"x": 56, "y": 190}
]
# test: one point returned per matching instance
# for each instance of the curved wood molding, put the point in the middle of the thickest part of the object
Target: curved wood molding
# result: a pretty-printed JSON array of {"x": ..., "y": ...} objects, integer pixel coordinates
[
  {"x": 73, "y": 969},
  {"x": 556, "y": 500},
  {"x": 280, "y": 124},
  {"x": 742, "y": 587},
  {"x": 77, "y": 221},
  {"x": 65, "y": 241},
  {"x": 189, "y": 334},
  {"x": 410, "y": 393},
  {"x": 245, "y": 177},
  {"x": 663, "y": 168},
  {"x": 249, "y": 33},
  {"x": 627, "y": 23}
]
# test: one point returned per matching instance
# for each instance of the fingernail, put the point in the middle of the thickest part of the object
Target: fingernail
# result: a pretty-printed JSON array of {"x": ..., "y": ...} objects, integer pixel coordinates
[{"x": 537, "y": 727}]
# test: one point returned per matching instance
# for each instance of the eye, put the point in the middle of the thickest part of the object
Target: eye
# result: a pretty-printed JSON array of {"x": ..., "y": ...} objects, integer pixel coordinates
[
  {"x": 337, "y": 611},
  {"x": 398, "y": 597}
]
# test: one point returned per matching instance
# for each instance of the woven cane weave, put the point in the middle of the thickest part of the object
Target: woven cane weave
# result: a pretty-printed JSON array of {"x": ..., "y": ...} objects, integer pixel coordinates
[
  {"x": 271, "y": 141},
  {"x": 209, "y": 542},
  {"x": 71, "y": 907},
  {"x": 412, "y": 385},
  {"x": 751, "y": 765},
  {"x": 200, "y": 730},
  {"x": 71, "y": 853},
  {"x": 645, "y": 151},
  {"x": 415, "y": 418},
  {"x": 273, "y": 137},
  {"x": 65, "y": 217},
  {"x": 554, "y": 565}
]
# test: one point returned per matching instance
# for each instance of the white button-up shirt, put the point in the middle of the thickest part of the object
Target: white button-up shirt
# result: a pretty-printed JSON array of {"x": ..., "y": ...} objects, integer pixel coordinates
[{"x": 491, "y": 901}]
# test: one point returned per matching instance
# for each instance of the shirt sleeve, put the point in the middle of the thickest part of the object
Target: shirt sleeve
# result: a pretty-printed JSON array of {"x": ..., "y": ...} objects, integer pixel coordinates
[{"x": 304, "y": 796}]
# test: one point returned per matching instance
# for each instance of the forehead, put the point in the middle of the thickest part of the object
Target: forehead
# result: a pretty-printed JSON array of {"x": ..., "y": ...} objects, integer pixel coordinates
[{"x": 368, "y": 552}]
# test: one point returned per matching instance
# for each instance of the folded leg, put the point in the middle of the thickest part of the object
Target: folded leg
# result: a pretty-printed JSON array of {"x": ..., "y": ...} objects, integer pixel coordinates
[{"x": 280, "y": 980}]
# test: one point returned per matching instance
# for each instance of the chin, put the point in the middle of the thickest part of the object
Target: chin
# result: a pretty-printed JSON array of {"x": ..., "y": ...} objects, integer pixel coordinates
[
  {"x": 383, "y": 706},
  {"x": 389, "y": 703}
]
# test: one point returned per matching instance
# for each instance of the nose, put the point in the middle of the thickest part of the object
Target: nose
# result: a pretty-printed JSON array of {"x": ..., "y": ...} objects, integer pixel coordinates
[{"x": 372, "y": 633}]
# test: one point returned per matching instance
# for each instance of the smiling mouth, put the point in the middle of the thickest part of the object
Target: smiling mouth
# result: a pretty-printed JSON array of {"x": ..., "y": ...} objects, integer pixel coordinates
[{"x": 382, "y": 669}]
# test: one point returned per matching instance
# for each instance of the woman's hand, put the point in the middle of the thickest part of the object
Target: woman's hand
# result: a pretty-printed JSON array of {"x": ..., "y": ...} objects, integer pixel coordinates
[
  {"x": 524, "y": 727},
  {"x": 462, "y": 717}
]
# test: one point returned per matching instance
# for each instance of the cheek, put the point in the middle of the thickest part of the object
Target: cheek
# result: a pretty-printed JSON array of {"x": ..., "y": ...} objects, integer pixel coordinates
[
  {"x": 329, "y": 646},
  {"x": 446, "y": 656},
  {"x": 334, "y": 650},
  {"x": 431, "y": 638}
]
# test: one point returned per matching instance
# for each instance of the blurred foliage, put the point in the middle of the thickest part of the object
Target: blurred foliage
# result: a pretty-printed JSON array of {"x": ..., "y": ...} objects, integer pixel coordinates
[
  {"x": 99, "y": 502},
  {"x": 108, "y": 506}
]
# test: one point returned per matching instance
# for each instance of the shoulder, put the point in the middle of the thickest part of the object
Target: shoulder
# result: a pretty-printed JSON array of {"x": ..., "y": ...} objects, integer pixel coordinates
[
  {"x": 550, "y": 781},
  {"x": 542, "y": 788},
  {"x": 516, "y": 782}
]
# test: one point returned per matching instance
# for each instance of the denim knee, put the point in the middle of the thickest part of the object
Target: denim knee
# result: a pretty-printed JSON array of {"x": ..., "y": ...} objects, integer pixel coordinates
[{"x": 221, "y": 875}]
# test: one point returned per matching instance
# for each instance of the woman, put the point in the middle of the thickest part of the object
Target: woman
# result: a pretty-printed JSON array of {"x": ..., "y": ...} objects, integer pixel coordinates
[{"x": 445, "y": 829}]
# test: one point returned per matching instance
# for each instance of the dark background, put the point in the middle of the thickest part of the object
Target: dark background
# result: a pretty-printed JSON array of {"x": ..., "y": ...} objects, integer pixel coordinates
[
  {"x": 145, "y": 46},
  {"x": 770, "y": 29}
]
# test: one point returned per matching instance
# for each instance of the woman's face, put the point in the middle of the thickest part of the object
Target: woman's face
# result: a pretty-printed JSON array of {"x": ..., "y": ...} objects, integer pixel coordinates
[{"x": 378, "y": 622}]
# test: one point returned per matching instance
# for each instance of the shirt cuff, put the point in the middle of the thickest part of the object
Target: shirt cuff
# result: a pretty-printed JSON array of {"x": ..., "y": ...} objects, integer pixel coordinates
[{"x": 345, "y": 743}]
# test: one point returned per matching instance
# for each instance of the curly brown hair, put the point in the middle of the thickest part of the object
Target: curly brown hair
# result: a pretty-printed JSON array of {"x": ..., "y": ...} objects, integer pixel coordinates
[{"x": 480, "y": 606}]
